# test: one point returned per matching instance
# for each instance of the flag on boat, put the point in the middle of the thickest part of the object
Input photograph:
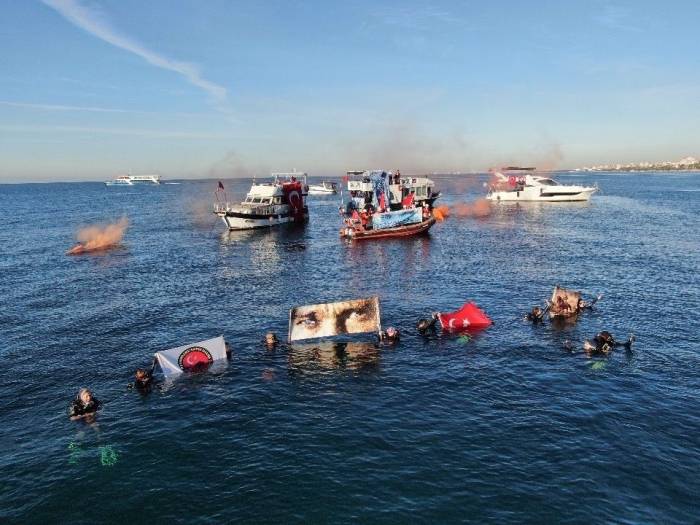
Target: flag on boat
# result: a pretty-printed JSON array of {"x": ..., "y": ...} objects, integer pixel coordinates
[
  {"x": 221, "y": 185},
  {"x": 469, "y": 316},
  {"x": 192, "y": 356},
  {"x": 324, "y": 320}
]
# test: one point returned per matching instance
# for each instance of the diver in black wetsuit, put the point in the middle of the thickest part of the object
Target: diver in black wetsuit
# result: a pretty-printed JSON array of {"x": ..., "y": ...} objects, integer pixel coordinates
[
  {"x": 427, "y": 324},
  {"x": 84, "y": 405},
  {"x": 390, "y": 336},
  {"x": 536, "y": 315},
  {"x": 604, "y": 343},
  {"x": 143, "y": 378}
]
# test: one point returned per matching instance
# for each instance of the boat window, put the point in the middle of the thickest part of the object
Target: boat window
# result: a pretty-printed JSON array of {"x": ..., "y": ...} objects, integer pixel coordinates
[
  {"x": 278, "y": 200},
  {"x": 547, "y": 182},
  {"x": 257, "y": 200}
]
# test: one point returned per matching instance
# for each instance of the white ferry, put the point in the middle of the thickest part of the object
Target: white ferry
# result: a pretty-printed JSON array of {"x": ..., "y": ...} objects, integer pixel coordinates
[
  {"x": 325, "y": 188},
  {"x": 520, "y": 185},
  {"x": 130, "y": 180},
  {"x": 268, "y": 204}
]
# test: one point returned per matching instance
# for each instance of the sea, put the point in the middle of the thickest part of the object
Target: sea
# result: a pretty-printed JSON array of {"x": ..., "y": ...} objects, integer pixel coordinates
[{"x": 502, "y": 426}]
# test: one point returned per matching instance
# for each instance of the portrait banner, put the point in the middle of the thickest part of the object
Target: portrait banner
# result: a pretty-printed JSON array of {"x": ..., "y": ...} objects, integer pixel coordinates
[{"x": 329, "y": 319}]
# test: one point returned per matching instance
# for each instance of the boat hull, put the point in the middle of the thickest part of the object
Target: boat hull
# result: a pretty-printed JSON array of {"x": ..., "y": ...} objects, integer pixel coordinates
[
  {"x": 235, "y": 221},
  {"x": 388, "y": 233},
  {"x": 318, "y": 191},
  {"x": 534, "y": 195}
]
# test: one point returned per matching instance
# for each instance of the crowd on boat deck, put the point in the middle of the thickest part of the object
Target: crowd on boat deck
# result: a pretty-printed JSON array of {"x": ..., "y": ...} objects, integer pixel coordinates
[{"x": 359, "y": 215}]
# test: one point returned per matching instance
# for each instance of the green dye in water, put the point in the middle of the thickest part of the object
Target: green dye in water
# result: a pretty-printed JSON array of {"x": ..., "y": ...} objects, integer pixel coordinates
[
  {"x": 598, "y": 365},
  {"x": 75, "y": 451},
  {"x": 464, "y": 339},
  {"x": 108, "y": 456}
]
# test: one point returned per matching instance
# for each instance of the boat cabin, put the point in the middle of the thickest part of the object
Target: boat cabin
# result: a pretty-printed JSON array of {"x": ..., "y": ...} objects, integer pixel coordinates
[{"x": 362, "y": 185}]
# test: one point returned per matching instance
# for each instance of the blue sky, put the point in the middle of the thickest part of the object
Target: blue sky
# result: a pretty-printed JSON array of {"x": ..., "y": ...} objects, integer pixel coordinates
[{"x": 223, "y": 88}]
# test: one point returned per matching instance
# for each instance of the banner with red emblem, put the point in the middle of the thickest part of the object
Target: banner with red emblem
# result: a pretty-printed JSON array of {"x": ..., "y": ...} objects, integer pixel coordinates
[{"x": 191, "y": 357}]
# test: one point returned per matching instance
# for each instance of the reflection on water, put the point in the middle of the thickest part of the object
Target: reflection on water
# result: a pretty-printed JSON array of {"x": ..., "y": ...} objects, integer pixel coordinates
[
  {"x": 411, "y": 254},
  {"x": 265, "y": 248},
  {"x": 324, "y": 356}
]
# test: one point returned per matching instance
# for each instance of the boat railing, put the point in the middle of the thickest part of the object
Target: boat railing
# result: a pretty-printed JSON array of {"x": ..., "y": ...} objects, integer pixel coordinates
[{"x": 247, "y": 210}]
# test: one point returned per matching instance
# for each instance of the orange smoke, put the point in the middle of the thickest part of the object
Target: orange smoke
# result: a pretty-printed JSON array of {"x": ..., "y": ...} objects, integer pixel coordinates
[
  {"x": 96, "y": 238},
  {"x": 477, "y": 209},
  {"x": 441, "y": 213}
]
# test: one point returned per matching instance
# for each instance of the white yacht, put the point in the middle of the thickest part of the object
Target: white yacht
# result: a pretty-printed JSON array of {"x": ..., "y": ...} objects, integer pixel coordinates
[
  {"x": 130, "y": 180},
  {"x": 325, "y": 188},
  {"x": 521, "y": 185},
  {"x": 268, "y": 204}
]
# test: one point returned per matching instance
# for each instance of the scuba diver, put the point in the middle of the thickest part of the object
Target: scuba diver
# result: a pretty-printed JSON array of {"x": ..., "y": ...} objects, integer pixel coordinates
[
  {"x": 425, "y": 325},
  {"x": 536, "y": 315},
  {"x": 84, "y": 405},
  {"x": 602, "y": 344},
  {"x": 584, "y": 305},
  {"x": 271, "y": 340},
  {"x": 143, "y": 380},
  {"x": 390, "y": 336}
]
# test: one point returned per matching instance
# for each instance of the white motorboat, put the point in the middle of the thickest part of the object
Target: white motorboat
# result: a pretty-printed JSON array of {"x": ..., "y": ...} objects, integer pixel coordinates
[
  {"x": 268, "y": 204},
  {"x": 325, "y": 188},
  {"x": 130, "y": 180},
  {"x": 520, "y": 185}
]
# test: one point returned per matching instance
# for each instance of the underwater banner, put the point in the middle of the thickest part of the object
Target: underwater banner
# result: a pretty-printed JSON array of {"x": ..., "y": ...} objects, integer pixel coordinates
[
  {"x": 324, "y": 320},
  {"x": 192, "y": 356},
  {"x": 396, "y": 218}
]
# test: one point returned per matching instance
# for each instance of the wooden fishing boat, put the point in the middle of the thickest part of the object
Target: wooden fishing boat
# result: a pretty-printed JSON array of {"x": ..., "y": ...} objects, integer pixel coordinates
[
  {"x": 385, "y": 205},
  {"x": 388, "y": 233}
]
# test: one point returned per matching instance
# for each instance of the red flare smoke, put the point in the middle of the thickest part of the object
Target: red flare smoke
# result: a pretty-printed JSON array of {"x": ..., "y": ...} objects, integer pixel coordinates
[
  {"x": 99, "y": 238},
  {"x": 477, "y": 209}
]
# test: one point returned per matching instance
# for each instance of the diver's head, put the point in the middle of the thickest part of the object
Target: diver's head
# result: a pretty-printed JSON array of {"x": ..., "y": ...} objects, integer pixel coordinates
[
  {"x": 605, "y": 336},
  {"x": 423, "y": 325},
  {"x": 271, "y": 339},
  {"x": 141, "y": 374},
  {"x": 536, "y": 311},
  {"x": 85, "y": 396},
  {"x": 392, "y": 334}
]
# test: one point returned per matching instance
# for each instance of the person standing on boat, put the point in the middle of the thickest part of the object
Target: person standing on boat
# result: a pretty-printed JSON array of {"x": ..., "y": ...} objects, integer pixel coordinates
[{"x": 408, "y": 201}]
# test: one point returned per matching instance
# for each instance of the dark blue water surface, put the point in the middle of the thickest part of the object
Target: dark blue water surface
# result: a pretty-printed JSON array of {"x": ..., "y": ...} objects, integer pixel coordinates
[{"x": 507, "y": 427}]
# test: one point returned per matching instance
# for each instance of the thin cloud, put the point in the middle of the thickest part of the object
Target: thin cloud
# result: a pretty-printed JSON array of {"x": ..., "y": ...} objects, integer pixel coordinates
[
  {"x": 131, "y": 132},
  {"x": 92, "y": 109},
  {"x": 617, "y": 18},
  {"x": 90, "y": 21}
]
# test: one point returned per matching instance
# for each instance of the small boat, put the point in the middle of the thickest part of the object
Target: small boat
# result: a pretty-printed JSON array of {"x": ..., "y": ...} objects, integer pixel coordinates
[
  {"x": 325, "y": 188},
  {"x": 385, "y": 205},
  {"x": 388, "y": 233},
  {"x": 268, "y": 204},
  {"x": 519, "y": 185},
  {"x": 130, "y": 180}
]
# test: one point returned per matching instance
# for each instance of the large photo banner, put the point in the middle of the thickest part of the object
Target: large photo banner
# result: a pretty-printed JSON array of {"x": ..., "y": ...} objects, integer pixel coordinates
[{"x": 325, "y": 320}]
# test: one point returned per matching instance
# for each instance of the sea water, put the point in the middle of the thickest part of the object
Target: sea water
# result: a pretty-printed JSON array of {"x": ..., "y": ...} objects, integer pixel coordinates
[{"x": 505, "y": 426}]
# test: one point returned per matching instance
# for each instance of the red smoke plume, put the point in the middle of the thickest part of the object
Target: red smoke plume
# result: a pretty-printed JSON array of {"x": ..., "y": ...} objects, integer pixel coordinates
[
  {"x": 475, "y": 210},
  {"x": 98, "y": 238}
]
